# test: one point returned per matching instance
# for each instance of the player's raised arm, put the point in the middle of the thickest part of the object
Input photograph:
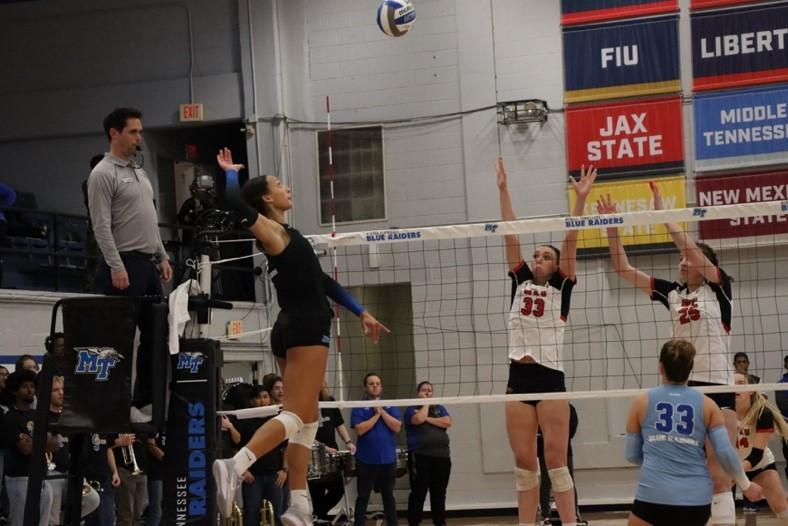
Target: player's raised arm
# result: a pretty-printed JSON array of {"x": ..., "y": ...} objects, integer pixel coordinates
[
  {"x": 618, "y": 255},
  {"x": 582, "y": 188},
  {"x": 513, "y": 254}
]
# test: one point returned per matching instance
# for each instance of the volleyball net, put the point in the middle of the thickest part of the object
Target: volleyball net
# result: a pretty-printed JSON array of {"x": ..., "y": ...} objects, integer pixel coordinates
[{"x": 445, "y": 294}]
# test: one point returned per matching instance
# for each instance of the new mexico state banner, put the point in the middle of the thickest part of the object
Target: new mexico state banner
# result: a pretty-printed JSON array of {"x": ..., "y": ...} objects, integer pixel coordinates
[
  {"x": 737, "y": 188},
  {"x": 630, "y": 196},
  {"x": 589, "y": 11},
  {"x": 643, "y": 136},
  {"x": 744, "y": 128},
  {"x": 621, "y": 60},
  {"x": 740, "y": 47}
]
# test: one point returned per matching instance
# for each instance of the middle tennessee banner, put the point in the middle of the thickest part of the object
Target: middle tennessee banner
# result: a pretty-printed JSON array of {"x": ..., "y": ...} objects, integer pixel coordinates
[
  {"x": 745, "y": 128},
  {"x": 626, "y": 138},
  {"x": 739, "y": 47},
  {"x": 621, "y": 60},
  {"x": 631, "y": 196},
  {"x": 589, "y": 11}
]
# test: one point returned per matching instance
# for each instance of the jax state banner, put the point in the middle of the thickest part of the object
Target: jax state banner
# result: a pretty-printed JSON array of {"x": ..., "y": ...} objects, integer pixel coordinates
[
  {"x": 734, "y": 189},
  {"x": 707, "y": 4},
  {"x": 740, "y": 47},
  {"x": 590, "y": 11},
  {"x": 623, "y": 59},
  {"x": 744, "y": 128},
  {"x": 626, "y": 138},
  {"x": 631, "y": 195}
]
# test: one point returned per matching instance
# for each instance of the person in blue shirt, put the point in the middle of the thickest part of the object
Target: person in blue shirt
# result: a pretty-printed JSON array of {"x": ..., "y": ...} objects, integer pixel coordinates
[
  {"x": 667, "y": 432},
  {"x": 429, "y": 462},
  {"x": 376, "y": 451}
]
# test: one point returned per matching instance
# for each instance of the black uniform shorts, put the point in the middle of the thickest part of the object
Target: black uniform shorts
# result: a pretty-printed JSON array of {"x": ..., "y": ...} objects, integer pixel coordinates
[
  {"x": 534, "y": 378},
  {"x": 668, "y": 515},
  {"x": 299, "y": 330},
  {"x": 723, "y": 400}
]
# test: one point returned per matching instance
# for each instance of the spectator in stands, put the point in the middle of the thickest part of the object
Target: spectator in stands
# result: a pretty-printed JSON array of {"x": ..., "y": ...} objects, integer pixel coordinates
[
  {"x": 55, "y": 344},
  {"x": 91, "y": 248},
  {"x": 58, "y": 461},
  {"x": 100, "y": 470},
  {"x": 275, "y": 386},
  {"x": 132, "y": 495},
  {"x": 26, "y": 361},
  {"x": 376, "y": 451},
  {"x": 16, "y": 433},
  {"x": 155, "y": 480},
  {"x": 742, "y": 364},
  {"x": 125, "y": 223},
  {"x": 3, "y": 377}
]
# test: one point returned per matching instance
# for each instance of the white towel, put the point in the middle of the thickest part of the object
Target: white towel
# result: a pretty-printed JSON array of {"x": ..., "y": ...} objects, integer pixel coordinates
[{"x": 179, "y": 311}]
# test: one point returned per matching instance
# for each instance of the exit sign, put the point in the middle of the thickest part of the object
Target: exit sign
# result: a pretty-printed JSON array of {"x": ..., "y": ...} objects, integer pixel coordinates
[{"x": 191, "y": 112}]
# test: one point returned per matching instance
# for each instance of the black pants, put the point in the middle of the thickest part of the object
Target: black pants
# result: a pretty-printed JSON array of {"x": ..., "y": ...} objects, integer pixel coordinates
[
  {"x": 325, "y": 495},
  {"x": 428, "y": 474},
  {"x": 380, "y": 476},
  {"x": 144, "y": 280}
]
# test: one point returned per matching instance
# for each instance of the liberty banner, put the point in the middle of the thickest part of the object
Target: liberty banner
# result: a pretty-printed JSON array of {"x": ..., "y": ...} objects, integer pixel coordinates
[
  {"x": 590, "y": 11},
  {"x": 630, "y": 196},
  {"x": 745, "y": 128},
  {"x": 737, "y": 188},
  {"x": 643, "y": 136},
  {"x": 621, "y": 60},
  {"x": 739, "y": 47}
]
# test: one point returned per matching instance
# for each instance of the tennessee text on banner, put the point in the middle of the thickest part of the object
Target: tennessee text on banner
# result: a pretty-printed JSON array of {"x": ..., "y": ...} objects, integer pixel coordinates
[
  {"x": 630, "y": 195},
  {"x": 706, "y": 4},
  {"x": 626, "y": 138},
  {"x": 621, "y": 60},
  {"x": 745, "y": 128},
  {"x": 734, "y": 189},
  {"x": 589, "y": 11},
  {"x": 739, "y": 47}
]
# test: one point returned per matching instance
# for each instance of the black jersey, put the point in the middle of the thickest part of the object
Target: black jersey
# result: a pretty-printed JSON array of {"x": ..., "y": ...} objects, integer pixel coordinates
[{"x": 298, "y": 277}]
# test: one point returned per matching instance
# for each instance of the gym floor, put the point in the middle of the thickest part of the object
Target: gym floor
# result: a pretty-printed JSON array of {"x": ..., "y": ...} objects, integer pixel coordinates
[{"x": 616, "y": 518}]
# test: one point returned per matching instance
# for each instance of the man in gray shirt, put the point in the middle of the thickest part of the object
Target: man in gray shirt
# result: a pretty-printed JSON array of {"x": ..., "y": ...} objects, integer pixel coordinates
[{"x": 125, "y": 222}]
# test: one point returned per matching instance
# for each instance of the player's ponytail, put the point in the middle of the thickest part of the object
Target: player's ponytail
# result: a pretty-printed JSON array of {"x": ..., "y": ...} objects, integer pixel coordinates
[{"x": 759, "y": 404}]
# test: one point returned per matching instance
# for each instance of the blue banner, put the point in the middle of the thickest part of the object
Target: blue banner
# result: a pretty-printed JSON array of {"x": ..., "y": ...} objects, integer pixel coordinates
[
  {"x": 590, "y": 11},
  {"x": 739, "y": 47},
  {"x": 745, "y": 128},
  {"x": 621, "y": 60}
]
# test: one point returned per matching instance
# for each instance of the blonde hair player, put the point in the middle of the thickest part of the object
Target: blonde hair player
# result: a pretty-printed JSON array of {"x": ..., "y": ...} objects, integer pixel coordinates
[
  {"x": 700, "y": 309},
  {"x": 299, "y": 340},
  {"x": 758, "y": 420},
  {"x": 537, "y": 320},
  {"x": 667, "y": 432}
]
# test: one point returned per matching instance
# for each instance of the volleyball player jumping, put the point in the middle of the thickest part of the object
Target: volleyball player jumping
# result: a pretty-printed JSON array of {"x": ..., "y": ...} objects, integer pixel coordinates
[
  {"x": 700, "y": 309},
  {"x": 299, "y": 340},
  {"x": 537, "y": 320}
]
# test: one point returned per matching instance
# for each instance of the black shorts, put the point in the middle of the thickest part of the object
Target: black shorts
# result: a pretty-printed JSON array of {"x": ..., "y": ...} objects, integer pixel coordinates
[
  {"x": 668, "y": 515},
  {"x": 534, "y": 378},
  {"x": 755, "y": 472},
  {"x": 724, "y": 400},
  {"x": 299, "y": 331}
]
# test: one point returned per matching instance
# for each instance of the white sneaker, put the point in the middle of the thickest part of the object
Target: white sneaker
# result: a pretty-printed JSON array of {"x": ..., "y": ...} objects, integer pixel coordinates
[
  {"x": 139, "y": 416},
  {"x": 227, "y": 484},
  {"x": 295, "y": 517}
]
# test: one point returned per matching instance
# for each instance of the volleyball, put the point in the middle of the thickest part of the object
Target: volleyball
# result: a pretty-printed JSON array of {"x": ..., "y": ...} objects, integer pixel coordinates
[{"x": 396, "y": 17}]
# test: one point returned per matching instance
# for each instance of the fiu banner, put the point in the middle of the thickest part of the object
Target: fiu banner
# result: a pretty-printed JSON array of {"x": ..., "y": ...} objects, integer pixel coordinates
[
  {"x": 745, "y": 128},
  {"x": 621, "y": 60},
  {"x": 191, "y": 436},
  {"x": 589, "y": 11},
  {"x": 631, "y": 195},
  {"x": 706, "y": 4},
  {"x": 740, "y": 47},
  {"x": 626, "y": 138},
  {"x": 734, "y": 189}
]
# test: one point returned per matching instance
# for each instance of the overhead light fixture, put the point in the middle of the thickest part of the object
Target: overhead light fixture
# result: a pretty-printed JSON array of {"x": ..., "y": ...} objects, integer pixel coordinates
[{"x": 522, "y": 111}]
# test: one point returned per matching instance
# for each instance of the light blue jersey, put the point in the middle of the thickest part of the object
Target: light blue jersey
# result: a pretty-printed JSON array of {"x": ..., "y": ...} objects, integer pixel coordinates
[{"x": 674, "y": 468}]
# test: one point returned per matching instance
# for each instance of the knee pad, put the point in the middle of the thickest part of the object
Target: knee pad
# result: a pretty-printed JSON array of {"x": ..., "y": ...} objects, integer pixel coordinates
[
  {"x": 561, "y": 479},
  {"x": 525, "y": 479},
  {"x": 306, "y": 436},
  {"x": 291, "y": 422},
  {"x": 723, "y": 509}
]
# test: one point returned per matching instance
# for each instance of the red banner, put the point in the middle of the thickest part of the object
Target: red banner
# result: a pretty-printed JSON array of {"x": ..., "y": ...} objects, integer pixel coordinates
[
  {"x": 706, "y": 4},
  {"x": 628, "y": 138},
  {"x": 734, "y": 189}
]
